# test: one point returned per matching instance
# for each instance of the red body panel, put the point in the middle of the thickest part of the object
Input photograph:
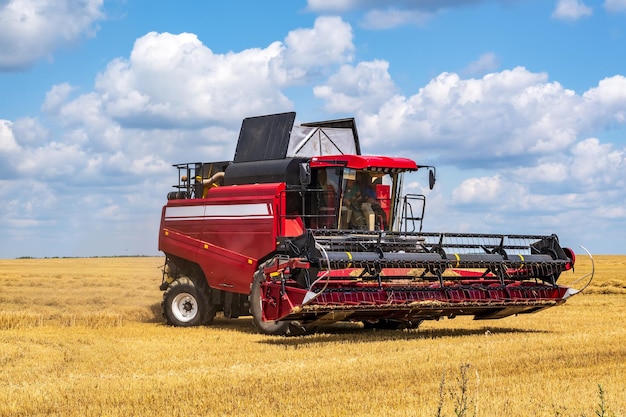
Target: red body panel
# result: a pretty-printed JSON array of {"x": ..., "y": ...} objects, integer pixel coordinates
[
  {"x": 227, "y": 232},
  {"x": 420, "y": 302},
  {"x": 364, "y": 162}
]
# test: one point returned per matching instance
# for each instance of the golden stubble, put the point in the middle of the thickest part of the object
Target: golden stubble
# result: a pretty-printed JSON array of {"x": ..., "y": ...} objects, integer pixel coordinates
[{"x": 84, "y": 337}]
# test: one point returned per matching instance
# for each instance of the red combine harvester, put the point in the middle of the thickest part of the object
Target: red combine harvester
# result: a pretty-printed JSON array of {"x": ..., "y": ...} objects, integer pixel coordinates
[{"x": 300, "y": 230}]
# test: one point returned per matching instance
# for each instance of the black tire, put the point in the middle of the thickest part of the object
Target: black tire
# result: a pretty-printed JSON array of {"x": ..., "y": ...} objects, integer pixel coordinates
[
  {"x": 274, "y": 328},
  {"x": 187, "y": 304}
]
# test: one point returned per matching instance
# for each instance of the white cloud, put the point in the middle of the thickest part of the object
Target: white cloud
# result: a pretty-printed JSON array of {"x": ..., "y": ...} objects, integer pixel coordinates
[
  {"x": 388, "y": 14},
  {"x": 8, "y": 144},
  {"x": 56, "y": 97},
  {"x": 307, "y": 51},
  {"x": 54, "y": 161},
  {"x": 30, "y": 131},
  {"x": 610, "y": 212},
  {"x": 515, "y": 115},
  {"x": 331, "y": 5},
  {"x": 615, "y": 5},
  {"x": 391, "y": 18},
  {"x": 362, "y": 87},
  {"x": 33, "y": 29},
  {"x": 207, "y": 88},
  {"x": 485, "y": 63},
  {"x": 25, "y": 202},
  {"x": 586, "y": 166},
  {"x": 483, "y": 190},
  {"x": 585, "y": 181},
  {"x": 610, "y": 99},
  {"x": 502, "y": 196},
  {"x": 112, "y": 213},
  {"x": 571, "y": 10},
  {"x": 597, "y": 166},
  {"x": 202, "y": 87}
]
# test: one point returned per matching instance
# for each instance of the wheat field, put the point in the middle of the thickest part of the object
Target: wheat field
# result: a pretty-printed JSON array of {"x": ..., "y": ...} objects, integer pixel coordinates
[{"x": 84, "y": 337}]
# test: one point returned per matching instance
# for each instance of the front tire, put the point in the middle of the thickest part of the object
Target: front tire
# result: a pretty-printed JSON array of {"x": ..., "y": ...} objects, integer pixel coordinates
[
  {"x": 186, "y": 304},
  {"x": 274, "y": 328}
]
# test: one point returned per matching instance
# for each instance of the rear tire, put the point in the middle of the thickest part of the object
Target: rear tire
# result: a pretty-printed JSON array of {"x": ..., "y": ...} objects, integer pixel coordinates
[
  {"x": 187, "y": 304},
  {"x": 274, "y": 328}
]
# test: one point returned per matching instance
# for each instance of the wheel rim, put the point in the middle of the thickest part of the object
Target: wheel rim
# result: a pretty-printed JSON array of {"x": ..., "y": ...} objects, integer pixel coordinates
[{"x": 184, "y": 307}]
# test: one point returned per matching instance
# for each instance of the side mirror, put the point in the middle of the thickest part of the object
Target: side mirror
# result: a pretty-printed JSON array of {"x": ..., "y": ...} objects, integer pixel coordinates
[
  {"x": 431, "y": 178},
  {"x": 305, "y": 174}
]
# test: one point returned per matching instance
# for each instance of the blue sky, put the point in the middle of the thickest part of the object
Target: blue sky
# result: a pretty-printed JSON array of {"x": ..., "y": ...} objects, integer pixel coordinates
[{"x": 521, "y": 105}]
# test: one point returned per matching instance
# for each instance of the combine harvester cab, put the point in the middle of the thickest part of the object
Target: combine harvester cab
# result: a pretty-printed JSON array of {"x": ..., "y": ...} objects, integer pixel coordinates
[{"x": 301, "y": 230}]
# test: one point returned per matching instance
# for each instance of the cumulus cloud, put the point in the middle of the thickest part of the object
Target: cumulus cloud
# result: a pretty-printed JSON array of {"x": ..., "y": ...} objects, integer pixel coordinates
[
  {"x": 585, "y": 181},
  {"x": 332, "y": 5},
  {"x": 384, "y": 14},
  {"x": 307, "y": 51},
  {"x": 207, "y": 88},
  {"x": 392, "y": 17},
  {"x": 30, "y": 131},
  {"x": 516, "y": 206},
  {"x": 610, "y": 95},
  {"x": 362, "y": 87},
  {"x": 481, "y": 191},
  {"x": 33, "y": 29},
  {"x": 202, "y": 86},
  {"x": 8, "y": 144},
  {"x": 25, "y": 203},
  {"x": 597, "y": 166},
  {"x": 504, "y": 117},
  {"x": 485, "y": 63},
  {"x": 588, "y": 166},
  {"x": 56, "y": 98},
  {"x": 571, "y": 10}
]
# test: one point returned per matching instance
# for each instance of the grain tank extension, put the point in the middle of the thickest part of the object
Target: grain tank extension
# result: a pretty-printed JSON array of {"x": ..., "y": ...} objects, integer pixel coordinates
[{"x": 300, "y": 230}]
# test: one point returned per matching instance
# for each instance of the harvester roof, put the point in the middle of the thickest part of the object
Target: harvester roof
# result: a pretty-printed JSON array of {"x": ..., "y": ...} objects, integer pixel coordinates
[
  {"x": 359, "y": 162},
  {"x": 274, "y": 137}
]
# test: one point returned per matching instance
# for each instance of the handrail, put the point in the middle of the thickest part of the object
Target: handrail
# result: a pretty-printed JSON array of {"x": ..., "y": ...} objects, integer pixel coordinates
[{"x": 407, "y": 212}]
